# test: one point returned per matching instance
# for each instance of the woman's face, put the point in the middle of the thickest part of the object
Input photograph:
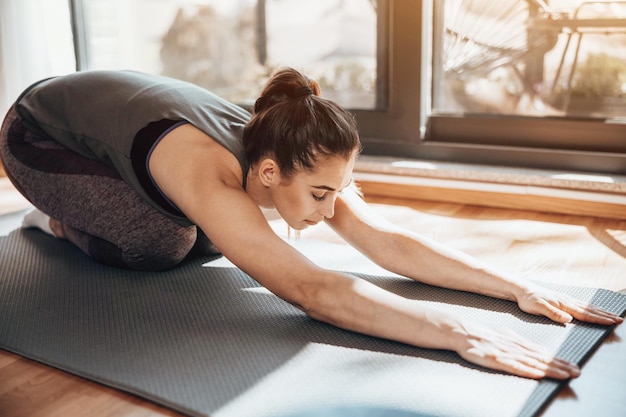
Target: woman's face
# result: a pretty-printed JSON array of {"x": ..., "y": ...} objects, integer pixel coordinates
[{"x": 309, "y": 197}]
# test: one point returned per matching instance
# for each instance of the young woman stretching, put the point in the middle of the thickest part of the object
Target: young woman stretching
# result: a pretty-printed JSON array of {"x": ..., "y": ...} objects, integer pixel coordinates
[{"x": 142, "y": 171}]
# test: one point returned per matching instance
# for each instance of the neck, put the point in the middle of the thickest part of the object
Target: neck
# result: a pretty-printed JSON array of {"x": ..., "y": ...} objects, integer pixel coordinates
[{"x": 257, "y": 191}]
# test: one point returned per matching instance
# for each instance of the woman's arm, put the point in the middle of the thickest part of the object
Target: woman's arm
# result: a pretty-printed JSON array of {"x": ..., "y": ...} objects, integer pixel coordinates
[
  {"x": 204, "y": 182},
  {"x": 238, "y": 228},
  {"x": 423, "y": 259}
]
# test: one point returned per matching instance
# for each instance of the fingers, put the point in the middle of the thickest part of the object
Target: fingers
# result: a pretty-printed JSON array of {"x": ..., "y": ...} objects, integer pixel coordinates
[
  {"x": 593, "y": 314},
  {"x": 537, "y": 366},
  {"x": 563, "y": 309},
  {"x": 564, "y": 312},
  {"x": 556, "y": 314},
  {"x": 508, "y": 352}
]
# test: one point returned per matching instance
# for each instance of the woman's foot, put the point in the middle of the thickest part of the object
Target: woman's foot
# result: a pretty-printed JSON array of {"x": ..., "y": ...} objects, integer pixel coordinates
[{"x": 43, "y": 222}]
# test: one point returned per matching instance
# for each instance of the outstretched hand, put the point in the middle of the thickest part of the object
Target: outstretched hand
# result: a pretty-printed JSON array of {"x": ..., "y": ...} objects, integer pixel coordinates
[
  {"x": 506, "y": 351},
  {"x": 562, "y": 308}
]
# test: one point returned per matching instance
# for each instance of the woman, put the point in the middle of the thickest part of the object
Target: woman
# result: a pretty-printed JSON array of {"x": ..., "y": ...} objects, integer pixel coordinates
[{"x": 142, "y": 171}]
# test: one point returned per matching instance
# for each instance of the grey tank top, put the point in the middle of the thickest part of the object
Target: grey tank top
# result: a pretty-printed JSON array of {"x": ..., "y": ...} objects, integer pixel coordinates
[{"x": 98, "y": 113}]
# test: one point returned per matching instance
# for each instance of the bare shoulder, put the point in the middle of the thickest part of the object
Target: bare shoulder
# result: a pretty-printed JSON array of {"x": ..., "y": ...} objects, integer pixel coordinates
[
  {"x": 187, "y": 160},
  {"x": 354, "y": 219},
  {"x": 205, "y": 181}
]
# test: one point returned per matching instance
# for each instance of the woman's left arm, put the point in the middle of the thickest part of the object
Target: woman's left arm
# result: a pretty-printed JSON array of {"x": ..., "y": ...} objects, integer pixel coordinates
[{"x": 422, "y": 259}]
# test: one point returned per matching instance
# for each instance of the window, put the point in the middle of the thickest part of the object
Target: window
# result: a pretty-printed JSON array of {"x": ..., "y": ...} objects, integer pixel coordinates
[
  {"x": 231, "y": 46},
  {"x": 35, "y": 43},
  {"x": 505, "y": 82},
  {"x": 514, "y": 57},
  {"x": 421, "y": 121}
]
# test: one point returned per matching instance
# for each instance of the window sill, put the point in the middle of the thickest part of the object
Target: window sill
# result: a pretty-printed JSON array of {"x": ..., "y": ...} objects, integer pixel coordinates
[{"x": 572, "y": 193}]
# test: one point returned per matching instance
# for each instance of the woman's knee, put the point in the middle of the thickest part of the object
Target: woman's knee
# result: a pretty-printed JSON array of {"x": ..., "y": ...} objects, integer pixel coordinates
[
  {"x": 159, "y": 254},
  {"x": 155, "y": 262}
]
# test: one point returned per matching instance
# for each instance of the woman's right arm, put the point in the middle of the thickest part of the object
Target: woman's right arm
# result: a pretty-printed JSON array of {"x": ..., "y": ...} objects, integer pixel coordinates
[{"x": 210, "y": 194}]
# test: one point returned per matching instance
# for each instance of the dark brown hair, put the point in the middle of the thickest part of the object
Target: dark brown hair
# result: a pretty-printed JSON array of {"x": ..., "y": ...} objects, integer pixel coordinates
[{"x": 292, "y": 124}]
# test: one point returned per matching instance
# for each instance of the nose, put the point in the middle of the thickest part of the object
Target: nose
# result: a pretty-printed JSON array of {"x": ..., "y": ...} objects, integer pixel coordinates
[{"x": 327, "y": 208}]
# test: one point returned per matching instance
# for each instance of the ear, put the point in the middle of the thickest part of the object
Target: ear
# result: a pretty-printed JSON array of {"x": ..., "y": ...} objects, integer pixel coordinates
[{"x": 269, "y": 172}]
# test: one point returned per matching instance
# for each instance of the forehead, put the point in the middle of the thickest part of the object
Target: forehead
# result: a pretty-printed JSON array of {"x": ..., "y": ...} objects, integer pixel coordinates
[{"x": 334, "y": 172}]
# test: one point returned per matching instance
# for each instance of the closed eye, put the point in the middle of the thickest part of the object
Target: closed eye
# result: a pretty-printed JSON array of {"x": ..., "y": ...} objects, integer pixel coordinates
[{"x": 319, "y": 197}]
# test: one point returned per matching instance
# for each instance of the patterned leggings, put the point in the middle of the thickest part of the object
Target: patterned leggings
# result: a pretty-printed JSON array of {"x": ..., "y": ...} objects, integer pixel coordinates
[{"x": 99, "y": 212}]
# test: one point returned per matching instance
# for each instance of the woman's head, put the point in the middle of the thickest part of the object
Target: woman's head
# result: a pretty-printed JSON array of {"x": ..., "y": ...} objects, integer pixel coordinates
[{"x": 295, "y": 127}]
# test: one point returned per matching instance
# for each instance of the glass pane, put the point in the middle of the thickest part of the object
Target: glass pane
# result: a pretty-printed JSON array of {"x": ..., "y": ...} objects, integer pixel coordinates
[
  {"x": 230, "y": 46},
  {"x": 564, "y": 58}
]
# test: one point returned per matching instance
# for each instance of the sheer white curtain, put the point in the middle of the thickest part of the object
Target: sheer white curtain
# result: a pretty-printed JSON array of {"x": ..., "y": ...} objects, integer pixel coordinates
[{"x": 35, "y": 43}]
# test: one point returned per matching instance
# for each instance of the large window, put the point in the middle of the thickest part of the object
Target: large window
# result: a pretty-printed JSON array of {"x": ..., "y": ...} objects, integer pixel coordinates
[
  {"x": 506, "y": 82},
  {"x": 231, "y": 46}
]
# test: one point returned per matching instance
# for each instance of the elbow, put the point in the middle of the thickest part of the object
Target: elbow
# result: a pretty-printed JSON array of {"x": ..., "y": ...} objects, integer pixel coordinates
[
  {"x": 310, "y": 299},
  {"x": 326, "y": 299}
]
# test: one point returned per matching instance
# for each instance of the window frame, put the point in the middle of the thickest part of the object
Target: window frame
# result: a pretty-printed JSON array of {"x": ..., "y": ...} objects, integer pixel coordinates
[{"x": 406, "y": 129}]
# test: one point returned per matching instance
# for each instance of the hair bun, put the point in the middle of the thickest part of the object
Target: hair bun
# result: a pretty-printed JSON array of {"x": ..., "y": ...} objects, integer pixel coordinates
[
  {"x": 286, "y": 84},
  {"x": 303, "y": 91}
]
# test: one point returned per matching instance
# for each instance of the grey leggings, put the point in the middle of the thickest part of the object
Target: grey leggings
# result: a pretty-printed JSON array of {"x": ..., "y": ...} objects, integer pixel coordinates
[{"x": 99, "y": 212}]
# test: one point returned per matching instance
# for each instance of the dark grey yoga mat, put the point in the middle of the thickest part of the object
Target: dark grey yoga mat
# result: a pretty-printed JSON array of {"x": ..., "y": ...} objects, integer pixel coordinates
[{"x": 210, "y": 341}]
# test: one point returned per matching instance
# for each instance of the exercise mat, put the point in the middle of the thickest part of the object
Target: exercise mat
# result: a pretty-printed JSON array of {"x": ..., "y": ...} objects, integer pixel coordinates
[{"x": 207, "y": 340}]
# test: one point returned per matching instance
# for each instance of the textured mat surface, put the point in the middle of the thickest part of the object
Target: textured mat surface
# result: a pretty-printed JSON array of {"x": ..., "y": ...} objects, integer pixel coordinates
[{"x": 208, "y": 340}]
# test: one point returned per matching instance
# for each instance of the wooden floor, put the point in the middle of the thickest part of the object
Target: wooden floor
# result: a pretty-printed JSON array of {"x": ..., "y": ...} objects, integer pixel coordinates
[{"x": 565, "y": 249}]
